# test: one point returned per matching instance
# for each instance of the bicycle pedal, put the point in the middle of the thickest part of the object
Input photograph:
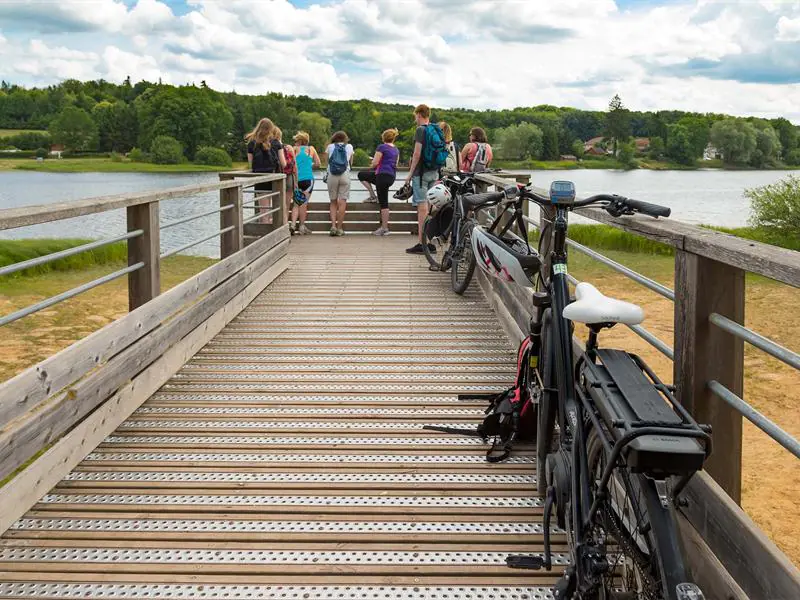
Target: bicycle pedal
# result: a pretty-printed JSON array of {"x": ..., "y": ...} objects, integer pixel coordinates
[{"x": 518, "y": 561}]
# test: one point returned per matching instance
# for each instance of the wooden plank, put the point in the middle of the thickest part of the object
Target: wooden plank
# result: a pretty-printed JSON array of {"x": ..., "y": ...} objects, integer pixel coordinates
[
  {"x": 26, "y": 436},
  {"x": 24, "y": 391},
  {"x": 11, "y": 218},
  {"x": 704, "y": 352},
  {"x": 144, "y": 284},
  {"x": 509, "y": 324},
  {"x": 47, "y": 470},
  {"x": 231, "y": 241},
  {"x": 752, "y": 559}
]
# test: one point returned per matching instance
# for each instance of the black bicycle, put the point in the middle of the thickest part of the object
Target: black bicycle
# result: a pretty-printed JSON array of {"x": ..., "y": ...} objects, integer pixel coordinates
[
  {"x": 437, "y": 230},
  {"x": 614, "y": 448}
]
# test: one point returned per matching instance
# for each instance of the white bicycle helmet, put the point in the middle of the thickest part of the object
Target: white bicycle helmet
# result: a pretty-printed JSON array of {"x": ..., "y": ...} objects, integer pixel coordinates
[
  {"x": 509, "y": 259},
  {"x": 438, "y": 195}
]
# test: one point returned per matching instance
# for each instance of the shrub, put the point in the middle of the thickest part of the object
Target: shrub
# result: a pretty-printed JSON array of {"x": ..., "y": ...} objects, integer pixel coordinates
[
  {"x": 116, "y": 157},
  {"x": 361, "y": 158},
  {"x": 42, "y": 153},
  {"x": 17, "y": 154},
  {"x": 29, "y": 140},
  {"x": 793, "y": 157},
  {"x": 207, "y": 155},
  {"x": 777, "y": 205},
  {"x": 626, "y": 155},
  {"x": 136, "y": 155},
  {"x": 166, "y": 150}
]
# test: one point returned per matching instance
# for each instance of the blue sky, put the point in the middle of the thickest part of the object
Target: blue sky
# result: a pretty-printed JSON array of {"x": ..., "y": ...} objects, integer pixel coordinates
[{"x": 740, "y": 57}]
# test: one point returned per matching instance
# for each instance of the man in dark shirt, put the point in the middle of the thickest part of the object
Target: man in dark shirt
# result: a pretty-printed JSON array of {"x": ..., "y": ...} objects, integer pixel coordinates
[{"x": 421, "y": 179}]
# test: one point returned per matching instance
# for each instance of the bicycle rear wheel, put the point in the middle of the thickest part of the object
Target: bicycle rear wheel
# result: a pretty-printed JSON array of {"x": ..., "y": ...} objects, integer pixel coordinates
[
  {"x": 626, "y": 524},
  {"x": 463, "y": 266}
]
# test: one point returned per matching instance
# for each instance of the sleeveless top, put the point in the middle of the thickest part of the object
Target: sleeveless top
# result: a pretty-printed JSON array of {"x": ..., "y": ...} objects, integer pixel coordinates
[{"x": 304, "y": 165}]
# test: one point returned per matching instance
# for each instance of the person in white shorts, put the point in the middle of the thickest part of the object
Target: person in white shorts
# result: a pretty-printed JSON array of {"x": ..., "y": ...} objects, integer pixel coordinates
[{"x": 340, "y": 159}]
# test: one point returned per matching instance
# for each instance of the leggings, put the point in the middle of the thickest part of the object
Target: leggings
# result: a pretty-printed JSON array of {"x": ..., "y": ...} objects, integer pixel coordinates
[{"x": 382, "y": 183}]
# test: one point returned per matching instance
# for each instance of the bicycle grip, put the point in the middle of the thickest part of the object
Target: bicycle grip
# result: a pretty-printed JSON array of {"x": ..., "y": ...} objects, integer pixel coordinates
[{"x": 653, "y": 210}]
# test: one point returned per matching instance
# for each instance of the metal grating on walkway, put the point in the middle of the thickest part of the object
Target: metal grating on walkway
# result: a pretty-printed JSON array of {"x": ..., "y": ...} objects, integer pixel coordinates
[{"x": 287, "y": 458}]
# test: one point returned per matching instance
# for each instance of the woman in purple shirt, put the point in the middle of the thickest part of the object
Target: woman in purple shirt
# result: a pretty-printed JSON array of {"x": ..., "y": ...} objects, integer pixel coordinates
[{"x": 384, "y": 164}]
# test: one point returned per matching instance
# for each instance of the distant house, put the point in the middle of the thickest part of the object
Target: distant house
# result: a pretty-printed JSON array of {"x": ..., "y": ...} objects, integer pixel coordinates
[
  {"x": 711, "y": 153},
  {"x": 571, "y": 157},
  {"x": 56, "y": 150},
  {"x": 642, "y": 144},
  {"x": 596, "y": 147}
]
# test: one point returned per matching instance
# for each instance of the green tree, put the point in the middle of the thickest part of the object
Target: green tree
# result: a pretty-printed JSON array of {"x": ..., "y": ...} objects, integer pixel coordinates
[
  {"x": 787, "y": 132},
  {"x": 793, "y": 157},
  {"x": 550, "y": 144},
  {"x": 166, "y": 150},
  {"x": 618, "y": 122},
  {"x": 679, "y": 145},
  {"x": 577, "y": 149},
  {"x": 317, "y": 127},
  {"x": 102, "y": 113},
  {"x": 212, "y": 156},
  {"x": 626, "y": 155},
  {"x": 519, "y": 142},
  {"x": 657, "y": 148},
  {"x": 361, "y": 158},
  {"x": 75, "y": 129},
  {"x": 735, "y": 139},
  {"x": 193, "y": 116},
  {"x": 698, "y": 129},
  {"x": 768, "y": 146},
  {"x": 777, "y": 205}
]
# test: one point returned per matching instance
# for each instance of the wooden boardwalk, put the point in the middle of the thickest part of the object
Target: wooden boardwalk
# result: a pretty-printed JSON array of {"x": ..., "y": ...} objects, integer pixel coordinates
[{"x": 287, "y": 458}]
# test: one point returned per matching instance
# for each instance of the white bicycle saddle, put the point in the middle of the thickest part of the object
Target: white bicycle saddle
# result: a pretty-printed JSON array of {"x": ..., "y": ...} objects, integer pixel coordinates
[{"x": 592, "y": 307}]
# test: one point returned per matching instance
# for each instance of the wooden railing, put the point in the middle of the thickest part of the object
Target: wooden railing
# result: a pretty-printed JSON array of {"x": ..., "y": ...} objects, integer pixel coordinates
[
  {"x": 68, "y": 403},
  {"x": 731, "y": 556}
]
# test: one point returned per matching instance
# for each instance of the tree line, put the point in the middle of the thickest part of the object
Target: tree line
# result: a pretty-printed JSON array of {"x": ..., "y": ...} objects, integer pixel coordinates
[{"x": 100, "y": 116}]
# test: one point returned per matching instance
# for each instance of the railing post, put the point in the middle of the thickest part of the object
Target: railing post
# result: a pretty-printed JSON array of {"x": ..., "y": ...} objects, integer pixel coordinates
[
  {"x": 144, "y": 284},
  {"x": 232, "y": 241},
  {"x": 281, "y": 217},
  {"x": 704, "y": 352}
]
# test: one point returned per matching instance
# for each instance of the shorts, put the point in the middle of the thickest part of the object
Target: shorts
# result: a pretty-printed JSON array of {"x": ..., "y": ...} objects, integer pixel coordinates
[
  {"x": 420, "y": 184},
  {"x": 339, "y": 186},
  {"x": 306, "y": 185}
]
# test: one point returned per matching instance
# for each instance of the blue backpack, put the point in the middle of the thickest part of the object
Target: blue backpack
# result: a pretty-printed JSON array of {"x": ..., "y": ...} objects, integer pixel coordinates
[
  {"x": 337, "y": 164},
  {"x": 434, "y": 151}
]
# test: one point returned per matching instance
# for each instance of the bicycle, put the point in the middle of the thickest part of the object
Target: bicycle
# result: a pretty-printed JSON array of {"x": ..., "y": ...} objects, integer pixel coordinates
[
  {"x": 438, "y": 226},
  {"x": 614, "y": 448}
]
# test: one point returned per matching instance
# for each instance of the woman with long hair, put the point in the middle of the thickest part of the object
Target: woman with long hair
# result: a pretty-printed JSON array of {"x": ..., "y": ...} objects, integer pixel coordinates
[
  {"x": 264, "y": 155},
  {"x": 477, "y": 154},
  {"x": 306, "y": 158},
  {"x": 451, "y": 164},
  {"x": 340, "y": 159}
]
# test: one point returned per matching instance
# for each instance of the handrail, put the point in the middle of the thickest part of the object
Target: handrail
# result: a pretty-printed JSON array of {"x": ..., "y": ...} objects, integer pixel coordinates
[
  {"x": 759, "y": 341},
  {"x": 169, "y": 253},
  {"x": 42, "y": 260},
  {"x": 196, "y": 216}
]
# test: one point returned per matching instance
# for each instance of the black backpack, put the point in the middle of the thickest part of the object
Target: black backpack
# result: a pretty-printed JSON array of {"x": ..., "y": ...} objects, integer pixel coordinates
[
  {"x": 265, "y": 160},
  {"x": 510, "y": 416}
]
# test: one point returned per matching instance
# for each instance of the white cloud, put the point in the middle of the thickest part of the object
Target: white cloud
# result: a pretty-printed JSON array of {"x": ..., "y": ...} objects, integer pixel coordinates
[
  {"x": 706, "y": 55},
  {"x": 788, "y": 29}
]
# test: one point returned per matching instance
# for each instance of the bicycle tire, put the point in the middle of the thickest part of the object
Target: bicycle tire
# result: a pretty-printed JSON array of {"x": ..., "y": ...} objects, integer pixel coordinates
[
  {"x": 548, "y": 403},
  {"x": 463, "y": 267},
  {"x": 638, "y": 567},
  {"x": 431, "y": 256}
]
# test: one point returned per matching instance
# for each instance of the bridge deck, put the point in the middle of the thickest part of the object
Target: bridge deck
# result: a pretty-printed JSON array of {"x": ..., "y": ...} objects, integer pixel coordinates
[{"x": 287, "y": 460}]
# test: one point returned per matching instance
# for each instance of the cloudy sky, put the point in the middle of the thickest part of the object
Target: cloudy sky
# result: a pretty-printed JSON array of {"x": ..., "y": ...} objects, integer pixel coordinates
[{"x": 739, "y": 56}]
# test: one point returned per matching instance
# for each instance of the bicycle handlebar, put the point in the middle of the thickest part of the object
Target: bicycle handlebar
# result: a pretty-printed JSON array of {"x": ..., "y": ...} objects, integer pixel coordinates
[{"x": 615, "y": 205}]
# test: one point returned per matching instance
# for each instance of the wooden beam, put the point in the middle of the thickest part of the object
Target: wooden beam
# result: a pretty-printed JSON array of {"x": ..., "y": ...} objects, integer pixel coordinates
[
  {"x": 704, "y": 352},
  {"x": 25, "y": 437},
  {"x": 11, "y": 218},
  {"x": 27, "y": 389},
  {"x": 144, "y": 284},
  {"x": 46, "y": 471},
  {"x": 232, "y": 241},
  {"x": 751, "y": 558}
]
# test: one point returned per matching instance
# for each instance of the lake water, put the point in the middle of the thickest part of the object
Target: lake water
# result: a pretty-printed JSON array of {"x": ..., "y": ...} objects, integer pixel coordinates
[{"x": 709, "y": 197}]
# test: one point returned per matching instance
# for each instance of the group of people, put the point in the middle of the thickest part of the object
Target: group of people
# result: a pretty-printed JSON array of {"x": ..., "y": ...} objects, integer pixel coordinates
[{"x": 266, "y": 153}]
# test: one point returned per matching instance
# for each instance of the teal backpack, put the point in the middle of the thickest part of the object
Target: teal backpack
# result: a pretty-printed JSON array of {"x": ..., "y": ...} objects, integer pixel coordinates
[{"x": 434, "y": 151}]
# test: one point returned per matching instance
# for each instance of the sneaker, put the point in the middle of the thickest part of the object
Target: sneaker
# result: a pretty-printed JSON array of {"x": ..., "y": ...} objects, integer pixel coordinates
[
  {"x": 340, "y": 232},
  {"x": 304, "y": 230},
  {"x": 381, "y": 231},
  {"x": 333, "y": 232},
  {"x": 292, "y": 230},
  {"x": 371, "y": 200},
  {"x": 418, "y": 249}
]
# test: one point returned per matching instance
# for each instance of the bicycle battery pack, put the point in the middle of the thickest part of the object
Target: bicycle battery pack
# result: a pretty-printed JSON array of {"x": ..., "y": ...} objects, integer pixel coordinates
[{"x": 628, "y": 400}]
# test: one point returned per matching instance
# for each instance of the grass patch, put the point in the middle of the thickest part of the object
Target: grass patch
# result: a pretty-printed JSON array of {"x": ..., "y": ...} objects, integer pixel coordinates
[
  {"x": 10, "y": 132},
  {"x": 14, "y": 251},
  {"x": 107, "y": 165}
]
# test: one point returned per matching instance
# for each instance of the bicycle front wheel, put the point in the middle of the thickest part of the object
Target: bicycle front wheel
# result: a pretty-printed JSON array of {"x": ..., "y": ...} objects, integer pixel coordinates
[{"x": 463, "y": 266}]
